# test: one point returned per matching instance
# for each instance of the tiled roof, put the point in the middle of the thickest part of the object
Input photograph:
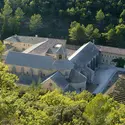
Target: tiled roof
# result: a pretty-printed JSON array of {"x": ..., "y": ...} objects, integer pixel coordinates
[
  {"x": 59, "y": 79},
  {"x": 112, "y": 50},
  {"x": 63, "y": 64},
  {"x": 43, "y": 48},
  {"x": 29, "y": 60},
  {"x": 84, "y": 54},
  {"x": 37, "y": 61}
]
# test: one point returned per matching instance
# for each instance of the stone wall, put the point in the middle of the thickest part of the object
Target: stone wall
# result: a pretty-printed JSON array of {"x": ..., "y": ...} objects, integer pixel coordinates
[
  {"x": 49, "y": 85},
  {"x": 30, "y": 71},
  {"x": 106, "y": 58}
]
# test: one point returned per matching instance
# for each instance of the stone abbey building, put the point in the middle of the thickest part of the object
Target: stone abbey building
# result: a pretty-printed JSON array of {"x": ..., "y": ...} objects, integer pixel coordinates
[{"x": 56, "y": 65}]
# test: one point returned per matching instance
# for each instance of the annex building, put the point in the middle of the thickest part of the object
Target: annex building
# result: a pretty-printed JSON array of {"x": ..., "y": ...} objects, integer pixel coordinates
[{"x": 51, "y": 63}]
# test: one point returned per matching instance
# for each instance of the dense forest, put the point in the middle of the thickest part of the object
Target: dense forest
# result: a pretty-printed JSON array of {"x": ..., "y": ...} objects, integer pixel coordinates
[
  {"x": 23, "y": 105},
  {"x": 78, "y": 21}
]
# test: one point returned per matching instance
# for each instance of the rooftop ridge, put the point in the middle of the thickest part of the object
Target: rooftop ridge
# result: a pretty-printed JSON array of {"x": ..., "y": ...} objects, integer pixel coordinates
[{"x": 77, "y": 51}]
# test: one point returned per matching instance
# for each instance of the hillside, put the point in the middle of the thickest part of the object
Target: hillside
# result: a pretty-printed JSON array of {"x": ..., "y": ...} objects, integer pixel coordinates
[{"x": 101, "y": 21}]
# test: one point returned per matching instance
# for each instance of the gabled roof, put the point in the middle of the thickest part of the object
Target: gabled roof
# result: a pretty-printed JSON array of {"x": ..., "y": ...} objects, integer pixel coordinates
[
  {"x": 37, "y": 61},
  {"x": 43, "y": 48},
  {"x": 84, "y": 54},
  {"x": 59, "y": 79},
  {"x": 69, "y": 88},
  {"x": 54, "y": 50},
  {"x": 33, "y": 40},
  {"x": 63, "y": 64},
  {"x": 76, "y": 77},
  {"x": 29, "y": 60}
]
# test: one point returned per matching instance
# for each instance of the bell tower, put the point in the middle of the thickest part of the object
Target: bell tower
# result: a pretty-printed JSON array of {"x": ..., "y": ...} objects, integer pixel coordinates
[{"x": 58, "y": 52}]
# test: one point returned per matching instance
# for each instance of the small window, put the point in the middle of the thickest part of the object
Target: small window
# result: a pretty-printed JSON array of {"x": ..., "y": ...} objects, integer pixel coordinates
[{"x": 60, "y": 56}]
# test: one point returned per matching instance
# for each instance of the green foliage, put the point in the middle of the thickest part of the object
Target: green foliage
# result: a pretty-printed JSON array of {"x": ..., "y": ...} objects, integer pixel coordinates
[
  {"x": 2, "y": 47},
  {"x": 115, "y": 34},
  {"x": 30, "y": 106},
  {"x": 7, "y": 80},
  {"x": 35, "y": 22},
  {"x": 100, "y": 15},
  {"x": 27, "y": 105},
  {"x": 7, "y": 10},
  {"x": 98, "y": 109},
  {"x": 120, "y": 62},
  {"x": 104, "y": 15},
  {"x": 81, "y": 34},
  {"x": 19, "y": 14},
  {"x": 123, "y": 14},
  {"x": 110, "y": 34}
]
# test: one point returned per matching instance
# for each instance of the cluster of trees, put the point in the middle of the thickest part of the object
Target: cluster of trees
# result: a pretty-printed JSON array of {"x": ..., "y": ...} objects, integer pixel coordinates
[
  {"x": 14, "y": 19},
  {"x": 107, "y": 16},
  {"x": 31, "y": 105},
  {"x": 79, "y": 34},
  {"x": 103, "y": 18},
  {"x": 120, "y": 62}
]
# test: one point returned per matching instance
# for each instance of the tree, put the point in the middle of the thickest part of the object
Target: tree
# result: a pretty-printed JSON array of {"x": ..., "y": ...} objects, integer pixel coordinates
[
  {"x": 7, "y": 10},
  {"x": 2, "y": 47},
  {"x": 7, "y": 80},
  {"x": 98, "y": 109},
  {"x": 91, "y": 33},
  {"x": 35, "y": 22},
  {"x": 19, "y": 14},
  {"x": 122, "y": 15},
  {"x": 100, "y": 15},
  {"x": 5, "y": 14},
  {"x": 120, "y": 62},
  {"x": 14, "y": 25},
  {"x": 110, "y": 35},
  {"x": 81, "y": 34},
  {"x": 77, "y": 33}
]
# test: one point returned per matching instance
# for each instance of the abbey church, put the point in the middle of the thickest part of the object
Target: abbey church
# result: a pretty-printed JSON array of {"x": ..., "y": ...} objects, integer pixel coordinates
[{"x": 34, "y": 58}]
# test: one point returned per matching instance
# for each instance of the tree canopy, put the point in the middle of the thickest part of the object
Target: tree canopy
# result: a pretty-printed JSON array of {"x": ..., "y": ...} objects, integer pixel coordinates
[
  {"x": 52, "y": 18},
  {"x": 35, "y": 22},
  {"x": 81, "y": 34},
  {"x": 29, "y": 105}
]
